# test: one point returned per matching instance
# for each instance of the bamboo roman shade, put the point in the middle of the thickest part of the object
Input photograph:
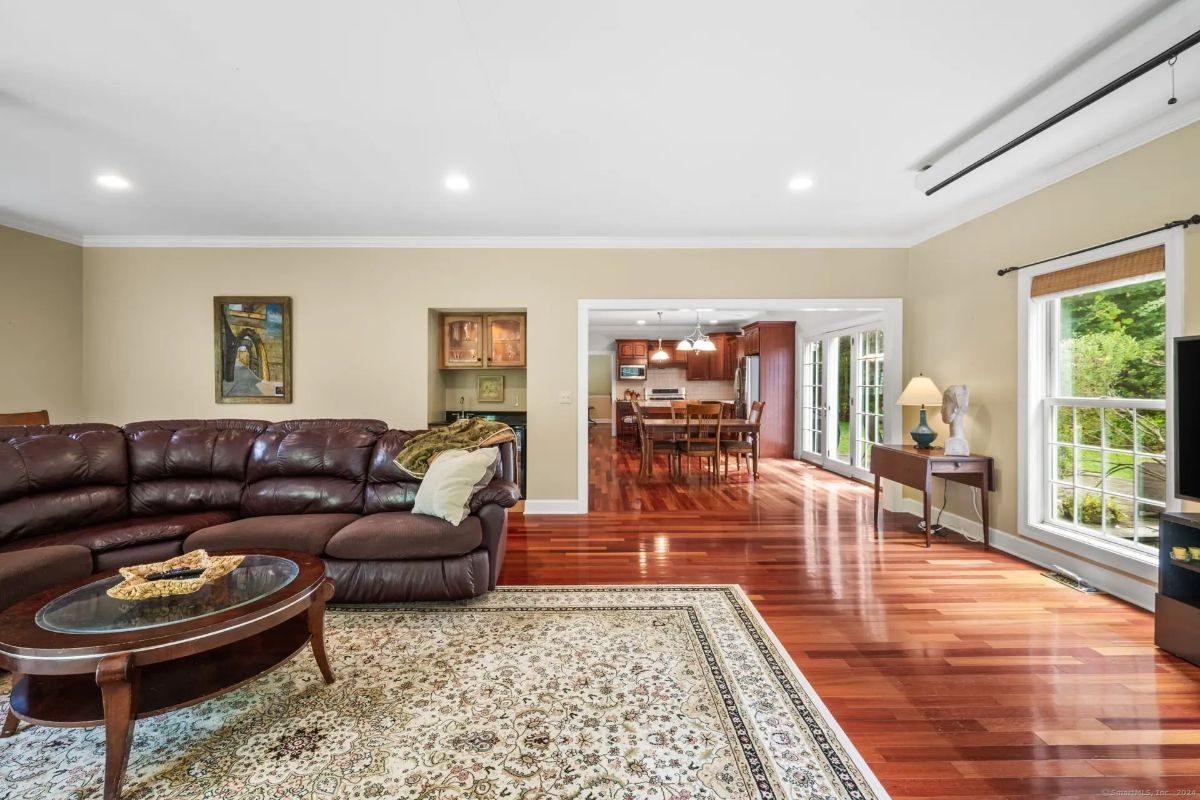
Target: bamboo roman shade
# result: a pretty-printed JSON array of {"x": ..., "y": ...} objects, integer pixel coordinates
[{"x": 1117, "y": 268}]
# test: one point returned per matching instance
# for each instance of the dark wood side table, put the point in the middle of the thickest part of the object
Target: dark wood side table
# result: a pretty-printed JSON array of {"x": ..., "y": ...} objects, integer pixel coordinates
[{"x": 916, "y": 468}]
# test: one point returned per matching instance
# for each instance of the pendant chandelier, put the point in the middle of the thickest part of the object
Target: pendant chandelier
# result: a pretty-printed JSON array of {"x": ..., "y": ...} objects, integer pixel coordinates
[
  {"x": 696, "y": 340},
  {"x": 660, "y": 354}
]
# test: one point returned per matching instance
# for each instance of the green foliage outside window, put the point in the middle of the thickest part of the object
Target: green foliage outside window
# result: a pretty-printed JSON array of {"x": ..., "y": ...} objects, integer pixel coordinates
[{"x": 1113, "y": 342}]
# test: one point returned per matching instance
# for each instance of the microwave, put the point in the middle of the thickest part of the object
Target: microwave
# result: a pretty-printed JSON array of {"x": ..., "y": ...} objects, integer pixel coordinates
[{"x": 632, "y": 372}]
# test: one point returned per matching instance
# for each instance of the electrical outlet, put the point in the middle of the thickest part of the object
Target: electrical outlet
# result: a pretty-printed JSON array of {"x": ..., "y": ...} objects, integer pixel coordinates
[{"x": 564, "y": 397}]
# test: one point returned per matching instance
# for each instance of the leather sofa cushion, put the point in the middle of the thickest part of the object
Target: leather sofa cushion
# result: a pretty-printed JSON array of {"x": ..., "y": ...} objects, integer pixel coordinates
[
  {"x": 19, "y": 431},
  {"x": 181, "y": 495},
  {"x": 223, "y": 424},
  {"x": 189, "y": 453},
  {"x": 390, "y": 489},
  {"x": 53, "y": 481},
  {"x": 307, "y": 533},
  {"x": 409, "y": 581},
  {"x": 310, "y": 470},
  {"x": 401, "y": 535},
  {"x": 374, "y": 426},
  {"x": 126, "y": 532},
  {"x": 26, "y": 572},
  {"x": 138, "y": 554},
  {"x": 200, "y": 465}
]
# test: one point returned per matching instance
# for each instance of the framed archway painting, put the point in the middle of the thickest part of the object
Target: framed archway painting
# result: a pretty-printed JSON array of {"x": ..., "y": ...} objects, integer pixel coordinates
[{"x": 253, "y": 349}]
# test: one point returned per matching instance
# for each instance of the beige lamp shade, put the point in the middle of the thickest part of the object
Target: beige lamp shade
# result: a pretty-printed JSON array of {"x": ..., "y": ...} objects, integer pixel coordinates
[{"x": 921, "y": 391}]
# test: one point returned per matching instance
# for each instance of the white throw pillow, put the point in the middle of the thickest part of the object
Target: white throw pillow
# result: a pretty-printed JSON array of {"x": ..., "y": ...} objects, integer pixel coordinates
[{"x": 450, "y": 481}]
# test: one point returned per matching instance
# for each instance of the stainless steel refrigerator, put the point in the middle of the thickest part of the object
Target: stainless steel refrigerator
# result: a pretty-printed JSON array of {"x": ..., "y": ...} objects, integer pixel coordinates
[{"x": 745, "y": 384}]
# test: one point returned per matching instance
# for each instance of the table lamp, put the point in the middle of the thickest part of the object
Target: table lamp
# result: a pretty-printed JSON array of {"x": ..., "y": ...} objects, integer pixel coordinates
[{"x": 921, "y": 392}]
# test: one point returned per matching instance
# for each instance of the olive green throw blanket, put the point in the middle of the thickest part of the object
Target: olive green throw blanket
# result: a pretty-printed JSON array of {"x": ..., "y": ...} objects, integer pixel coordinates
[{"x": 463, "y": 434}]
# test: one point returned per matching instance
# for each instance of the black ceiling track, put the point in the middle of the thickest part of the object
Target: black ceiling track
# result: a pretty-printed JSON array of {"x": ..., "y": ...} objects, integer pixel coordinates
[
  {"x": 1079, "y": 105},
  {"x": 1194, "y": 219}
]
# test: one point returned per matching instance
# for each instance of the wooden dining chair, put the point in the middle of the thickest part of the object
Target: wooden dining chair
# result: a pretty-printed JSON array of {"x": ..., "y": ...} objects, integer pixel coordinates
[
  {"x": 703, "y": 438},
  {"x": 26, "y": 418},
  {"x": 654, "y": 446},
  {"x": 743, "y": 447}
]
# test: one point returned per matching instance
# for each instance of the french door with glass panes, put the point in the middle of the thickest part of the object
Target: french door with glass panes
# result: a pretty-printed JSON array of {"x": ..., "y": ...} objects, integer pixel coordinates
[{"x": 841, "y": 399}]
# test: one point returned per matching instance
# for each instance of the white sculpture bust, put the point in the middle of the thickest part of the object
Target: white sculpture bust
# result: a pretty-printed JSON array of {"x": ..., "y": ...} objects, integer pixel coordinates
[{"x": 954, "y": 412}]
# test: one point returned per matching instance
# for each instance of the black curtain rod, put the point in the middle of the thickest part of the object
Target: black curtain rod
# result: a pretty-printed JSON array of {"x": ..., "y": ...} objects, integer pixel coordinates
[
  {"x": 1079, "y": 105},
  {"x": 1194, "y": 219}
]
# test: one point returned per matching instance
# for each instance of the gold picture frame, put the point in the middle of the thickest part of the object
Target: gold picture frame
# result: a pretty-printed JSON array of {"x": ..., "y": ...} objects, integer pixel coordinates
[
  {"x": 489, "y": 388},
  {"x": 252, "y": 349}
]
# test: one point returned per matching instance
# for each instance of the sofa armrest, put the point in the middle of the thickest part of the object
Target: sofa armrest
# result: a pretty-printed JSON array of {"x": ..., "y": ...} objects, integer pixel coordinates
[{"x": 499, "y": 492}]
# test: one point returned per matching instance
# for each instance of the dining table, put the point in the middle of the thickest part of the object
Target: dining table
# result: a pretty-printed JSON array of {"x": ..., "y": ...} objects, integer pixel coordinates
[{"x": 665, "y": 428}]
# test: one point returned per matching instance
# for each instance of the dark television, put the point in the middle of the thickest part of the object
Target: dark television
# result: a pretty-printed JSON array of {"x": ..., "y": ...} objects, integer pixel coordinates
[{"x": 1187, "y": 417}]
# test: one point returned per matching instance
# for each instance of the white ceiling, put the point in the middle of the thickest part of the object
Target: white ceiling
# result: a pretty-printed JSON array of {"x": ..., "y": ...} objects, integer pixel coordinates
[{"x": 672, "y": 119}]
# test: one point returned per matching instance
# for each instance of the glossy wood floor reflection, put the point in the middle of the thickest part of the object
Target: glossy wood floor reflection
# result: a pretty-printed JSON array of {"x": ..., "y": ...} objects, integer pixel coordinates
[{"x": 956, "y": 673}]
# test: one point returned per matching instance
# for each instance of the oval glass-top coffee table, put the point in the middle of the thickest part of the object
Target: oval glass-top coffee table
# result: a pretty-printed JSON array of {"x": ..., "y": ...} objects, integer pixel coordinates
[{"x": 80, "y": 658}]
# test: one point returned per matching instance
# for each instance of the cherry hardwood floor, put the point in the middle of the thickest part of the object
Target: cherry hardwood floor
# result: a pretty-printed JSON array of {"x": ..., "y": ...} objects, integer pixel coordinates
[{"x": 956, "y": 673}]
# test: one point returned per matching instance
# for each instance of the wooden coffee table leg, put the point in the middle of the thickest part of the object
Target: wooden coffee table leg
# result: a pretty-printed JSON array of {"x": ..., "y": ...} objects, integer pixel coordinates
[
  {"x": 10, "y": 725},
  {"x": 316, "y": 628},
  {"x": 117, "y": 680}
]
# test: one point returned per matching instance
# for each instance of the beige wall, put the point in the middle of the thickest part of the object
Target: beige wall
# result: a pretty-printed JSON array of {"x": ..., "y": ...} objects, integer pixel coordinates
[
  {"x": 361, "y": 334},
  {"x": 41, "y": 309},
  {"x": 362, "y": 328},
  {"x": 461, "y": 384},
  {"x": 961, "y": 319},
  {"x": 600, "y": 379}
]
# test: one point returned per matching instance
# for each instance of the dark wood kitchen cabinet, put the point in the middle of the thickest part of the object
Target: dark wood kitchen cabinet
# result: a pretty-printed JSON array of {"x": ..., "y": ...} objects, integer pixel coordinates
[
  {"x": 714, "y": 365},
  {"x": 699, "y": 365},
  {"x": 750, "y": 338},
  {"x": 632, "y": 349},
  {"x": 775, "y": 345}
]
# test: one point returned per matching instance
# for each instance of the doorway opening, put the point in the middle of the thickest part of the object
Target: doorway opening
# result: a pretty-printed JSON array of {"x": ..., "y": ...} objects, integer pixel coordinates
[{"x": 844, "y": 369}]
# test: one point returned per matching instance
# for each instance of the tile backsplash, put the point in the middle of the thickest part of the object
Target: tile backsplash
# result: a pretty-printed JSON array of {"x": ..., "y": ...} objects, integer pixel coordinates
[{"x": 672, "y": 377}]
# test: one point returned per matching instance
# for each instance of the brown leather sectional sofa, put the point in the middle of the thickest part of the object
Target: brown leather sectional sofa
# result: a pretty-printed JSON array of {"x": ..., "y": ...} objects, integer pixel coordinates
[{"x": 76, "y": 499}]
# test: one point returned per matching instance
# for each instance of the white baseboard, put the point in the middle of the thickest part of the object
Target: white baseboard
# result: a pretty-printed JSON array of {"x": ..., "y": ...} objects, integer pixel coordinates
[
  {"x": 1115, "y": 583},
  {"x": 534, "y": 507}
]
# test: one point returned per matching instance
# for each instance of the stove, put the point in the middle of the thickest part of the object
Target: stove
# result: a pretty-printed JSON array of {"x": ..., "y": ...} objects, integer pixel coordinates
[{"x": 666, "y": 394}]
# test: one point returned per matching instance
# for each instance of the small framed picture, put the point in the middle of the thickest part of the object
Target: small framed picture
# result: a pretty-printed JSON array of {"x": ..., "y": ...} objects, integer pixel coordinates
[{"x": 489, "y": 388}]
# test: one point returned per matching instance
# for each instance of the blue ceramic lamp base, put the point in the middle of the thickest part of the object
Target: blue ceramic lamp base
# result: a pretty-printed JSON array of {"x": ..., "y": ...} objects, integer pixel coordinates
[{"x": 923, "y": 435}]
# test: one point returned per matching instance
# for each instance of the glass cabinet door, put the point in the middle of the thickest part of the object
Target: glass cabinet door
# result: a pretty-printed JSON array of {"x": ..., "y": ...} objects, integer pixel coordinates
[
  {"x": 506, "y": 340},
  {"x": 462, "y": 340}
]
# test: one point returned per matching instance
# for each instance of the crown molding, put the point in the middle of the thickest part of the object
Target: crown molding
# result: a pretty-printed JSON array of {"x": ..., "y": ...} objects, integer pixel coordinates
[
  {"x": 39, "y": 229},
  {"x": 1186, "y": 114},
  {"x": 503, "y": 242}
]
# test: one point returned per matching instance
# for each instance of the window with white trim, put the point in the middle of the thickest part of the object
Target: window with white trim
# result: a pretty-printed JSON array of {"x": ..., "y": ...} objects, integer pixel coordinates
[{"x": 1103, "y": 389}]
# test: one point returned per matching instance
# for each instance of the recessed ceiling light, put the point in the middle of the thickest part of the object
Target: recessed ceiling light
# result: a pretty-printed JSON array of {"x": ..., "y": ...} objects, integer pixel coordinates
[
  {"x": 800, "y": 183},
  {"x": 705, "y": 310},
  {"x": 641, "y": 322},
  {"x": 685, "y": 311},
  {"x": 111, "y": 180},
  {"x": 457, "y": 182},
  {"x": 712, "y": 322}
]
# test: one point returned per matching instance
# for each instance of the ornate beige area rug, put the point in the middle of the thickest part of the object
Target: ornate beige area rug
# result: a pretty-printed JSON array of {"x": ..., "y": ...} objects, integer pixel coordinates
[{"x": 530, "y": 693}]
